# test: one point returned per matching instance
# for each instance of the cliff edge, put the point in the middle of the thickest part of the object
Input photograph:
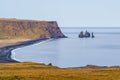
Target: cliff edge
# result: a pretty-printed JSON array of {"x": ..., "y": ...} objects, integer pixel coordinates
[{"x": 15, "y": 28}]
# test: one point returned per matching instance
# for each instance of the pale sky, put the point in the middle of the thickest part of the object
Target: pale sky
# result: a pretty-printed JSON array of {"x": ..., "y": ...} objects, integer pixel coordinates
[{"x": 68, "y": 13}]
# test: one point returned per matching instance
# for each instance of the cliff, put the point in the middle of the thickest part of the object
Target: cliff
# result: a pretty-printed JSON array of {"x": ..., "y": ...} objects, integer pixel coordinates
[{"x": 14, "y": 28}]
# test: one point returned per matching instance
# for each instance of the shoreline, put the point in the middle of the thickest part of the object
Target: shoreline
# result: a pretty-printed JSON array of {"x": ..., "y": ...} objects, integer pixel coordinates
[{"x": 5, "y": 52}]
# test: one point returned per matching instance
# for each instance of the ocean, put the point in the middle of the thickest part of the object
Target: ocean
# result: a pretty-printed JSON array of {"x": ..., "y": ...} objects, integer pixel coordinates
[{"x": 103, "y": 50}]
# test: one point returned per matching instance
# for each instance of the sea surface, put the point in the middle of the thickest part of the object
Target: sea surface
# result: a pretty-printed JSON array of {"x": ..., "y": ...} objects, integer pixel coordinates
[{"x": 103, "y": 50}]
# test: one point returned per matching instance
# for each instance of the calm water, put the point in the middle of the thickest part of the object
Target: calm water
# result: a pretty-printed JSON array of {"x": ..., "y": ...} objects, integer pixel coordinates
[{"x": 102, "y": 50}]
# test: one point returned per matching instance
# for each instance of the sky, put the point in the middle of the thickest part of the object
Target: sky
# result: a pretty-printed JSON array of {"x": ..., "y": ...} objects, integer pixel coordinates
[{"x": 68, "y": 13}]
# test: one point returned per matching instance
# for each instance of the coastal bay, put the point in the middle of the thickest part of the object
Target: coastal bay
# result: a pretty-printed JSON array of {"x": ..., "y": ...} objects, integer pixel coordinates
[
  {"x": 11, "y": 69},
  {"x": 103, "y": 50},
  {"x": 16, "y": 33}
]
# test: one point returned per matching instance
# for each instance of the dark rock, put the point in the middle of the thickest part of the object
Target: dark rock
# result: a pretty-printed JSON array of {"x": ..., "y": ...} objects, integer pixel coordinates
[
  {"x": 93, "y": 35},
  {"x": 50, "y": 64},
  {"x": 87, "y": 34},
  {"x": 81, "y": 34}
]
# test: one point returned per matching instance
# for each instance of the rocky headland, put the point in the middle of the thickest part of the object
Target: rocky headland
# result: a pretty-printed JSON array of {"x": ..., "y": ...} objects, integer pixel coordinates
[
  {"x": 27, "y": 32},
  {"x": 30, "y": 29}
]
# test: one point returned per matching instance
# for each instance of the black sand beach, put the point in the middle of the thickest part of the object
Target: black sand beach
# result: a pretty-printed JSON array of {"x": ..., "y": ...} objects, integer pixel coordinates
[{"x": 5, "y": 52}]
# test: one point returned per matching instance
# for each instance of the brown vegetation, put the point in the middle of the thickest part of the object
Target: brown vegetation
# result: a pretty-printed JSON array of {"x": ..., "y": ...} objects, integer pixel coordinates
[{"x": 34, "y": 71}]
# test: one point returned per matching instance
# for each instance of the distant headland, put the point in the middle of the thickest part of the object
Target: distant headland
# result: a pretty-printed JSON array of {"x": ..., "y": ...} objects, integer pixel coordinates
[{"x": 17, "y": 28}]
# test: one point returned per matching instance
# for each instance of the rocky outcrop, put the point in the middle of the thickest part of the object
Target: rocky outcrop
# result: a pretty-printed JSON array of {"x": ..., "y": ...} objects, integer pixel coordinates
[
  {"x": 14, "y": 28},
  {"x": 86, "y": 35}
]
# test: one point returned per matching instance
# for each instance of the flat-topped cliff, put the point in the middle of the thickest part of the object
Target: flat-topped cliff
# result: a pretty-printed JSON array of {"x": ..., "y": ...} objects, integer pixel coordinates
[{"x": 15, "y": 28}]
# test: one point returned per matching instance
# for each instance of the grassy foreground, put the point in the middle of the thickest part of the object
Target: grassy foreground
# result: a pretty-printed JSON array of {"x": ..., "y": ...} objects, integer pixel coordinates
[{"x": 34, "y": 71}]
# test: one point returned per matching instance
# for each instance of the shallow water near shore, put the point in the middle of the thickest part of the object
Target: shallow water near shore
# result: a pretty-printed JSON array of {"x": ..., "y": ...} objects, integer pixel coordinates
[{"x": 103, "y": 50}]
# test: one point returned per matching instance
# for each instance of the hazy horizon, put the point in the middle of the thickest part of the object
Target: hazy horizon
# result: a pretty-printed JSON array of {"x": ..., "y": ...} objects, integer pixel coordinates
[
  {"x": 65, "y": 12},
  {"x": 90, "y": 26}
]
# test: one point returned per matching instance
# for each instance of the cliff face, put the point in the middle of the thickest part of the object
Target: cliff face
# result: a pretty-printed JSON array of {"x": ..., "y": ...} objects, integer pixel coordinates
[{"x": 14, "y": 28}]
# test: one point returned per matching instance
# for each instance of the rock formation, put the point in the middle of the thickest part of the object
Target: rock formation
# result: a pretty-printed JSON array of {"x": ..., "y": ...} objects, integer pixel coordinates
[
  {"x": 14, "y": 28},
  {"x": 81, "y": 35},
  {"x": 86, "y": 35},
  {"x": 93, "y": 35}
]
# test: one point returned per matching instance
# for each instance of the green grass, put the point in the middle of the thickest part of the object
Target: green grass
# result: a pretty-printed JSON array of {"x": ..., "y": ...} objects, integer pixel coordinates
[{"x": 34, "y": 71}]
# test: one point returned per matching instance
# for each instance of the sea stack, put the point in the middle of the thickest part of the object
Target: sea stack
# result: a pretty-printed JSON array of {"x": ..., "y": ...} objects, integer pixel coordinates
[{"x": 86, "y": 35}]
